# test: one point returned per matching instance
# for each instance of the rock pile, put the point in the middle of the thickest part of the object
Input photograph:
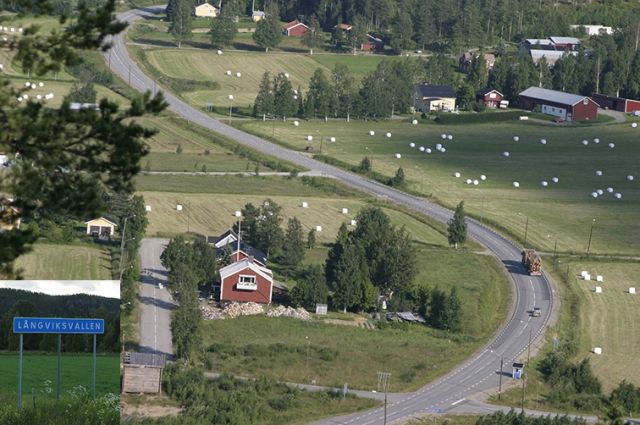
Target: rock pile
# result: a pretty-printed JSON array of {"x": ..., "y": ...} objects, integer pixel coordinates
[
  {"x": 243, "y": 309},
  {"x": 296, "y": 313}
]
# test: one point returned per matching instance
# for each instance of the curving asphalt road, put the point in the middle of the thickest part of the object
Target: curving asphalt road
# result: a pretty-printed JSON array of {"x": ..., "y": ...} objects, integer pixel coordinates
[{"x": 457, "y": 390}]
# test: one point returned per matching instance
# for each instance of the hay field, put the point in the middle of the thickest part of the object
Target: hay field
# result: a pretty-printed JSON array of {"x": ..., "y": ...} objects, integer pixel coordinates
[
  {"x": 562, "y": 211},
  {"x": 211, "y": 214},
  {"x": 611, "y": 320},
  {"x": 206, "y": 65}
]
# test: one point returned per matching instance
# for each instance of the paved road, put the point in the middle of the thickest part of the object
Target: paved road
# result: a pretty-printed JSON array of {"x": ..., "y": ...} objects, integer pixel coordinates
[
  {"x": 478, "y": 374},
  {"x": 155, "y": 301}
]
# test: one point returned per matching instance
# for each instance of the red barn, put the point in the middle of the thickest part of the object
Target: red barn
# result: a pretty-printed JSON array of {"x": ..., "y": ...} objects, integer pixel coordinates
[
  {"x": 295, "y": 29},
  {"x": 616, "y": 103},
  {"x": 490, "y": 98},
  {"x": 246, "y": 281},
  {"x": 566, "y": 106},
  {"x": 372, "y": 44}
]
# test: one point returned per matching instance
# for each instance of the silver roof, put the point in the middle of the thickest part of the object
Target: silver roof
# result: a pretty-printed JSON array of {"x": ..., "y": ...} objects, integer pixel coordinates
[
  {"x": 564, "y": 40},
  {"x": 553, "y": 95}
]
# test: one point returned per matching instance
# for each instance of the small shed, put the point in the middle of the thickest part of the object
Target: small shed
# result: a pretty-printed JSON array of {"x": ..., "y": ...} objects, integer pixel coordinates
[
  {"x": 518, "y": 370},
  {"x": 257, "y": 15},
  {"x": 142, "y": 372},
  {"x": 372, "y": 44},
  {"x": 295, "y": 29},
  {"x": 206, "y": 10},
  {"x": 100, "y": 227},
  {"x": 489, "y": 98}
]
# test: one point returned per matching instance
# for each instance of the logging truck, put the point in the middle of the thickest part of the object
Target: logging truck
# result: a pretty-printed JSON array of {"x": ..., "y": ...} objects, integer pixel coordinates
[{"x": 532, "y": 262}]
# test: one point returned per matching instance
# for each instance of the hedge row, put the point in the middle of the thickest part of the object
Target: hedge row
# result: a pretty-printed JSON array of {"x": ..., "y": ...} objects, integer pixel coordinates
[{"x": 481, "y": 117}]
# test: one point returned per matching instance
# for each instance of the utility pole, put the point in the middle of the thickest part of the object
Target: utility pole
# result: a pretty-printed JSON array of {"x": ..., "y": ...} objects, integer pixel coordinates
[
  {"x": 383, "y": 384},
  {"x": 590, "y": 234},
  {"x": 500, "y": 384}
]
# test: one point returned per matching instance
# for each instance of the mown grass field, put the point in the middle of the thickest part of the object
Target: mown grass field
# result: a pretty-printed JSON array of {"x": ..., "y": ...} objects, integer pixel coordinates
[
  {"x": 445, "y": 420},
  {"x": 198, "y": 149},
  {"x": 53, "y": 261},
  {"x": 562, "y": 212},
  {"x": 212, "y": 214},
  {"x": 610, "y": 320},
  {"x": 75, "y": 370}
]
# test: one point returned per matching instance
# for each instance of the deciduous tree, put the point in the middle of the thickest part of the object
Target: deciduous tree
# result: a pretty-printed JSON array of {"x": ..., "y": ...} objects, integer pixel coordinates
[{"x": 457, "y": 226}]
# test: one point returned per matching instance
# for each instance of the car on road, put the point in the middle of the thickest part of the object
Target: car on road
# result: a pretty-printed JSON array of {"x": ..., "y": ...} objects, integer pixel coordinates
[{"x": 536, "y": 312}]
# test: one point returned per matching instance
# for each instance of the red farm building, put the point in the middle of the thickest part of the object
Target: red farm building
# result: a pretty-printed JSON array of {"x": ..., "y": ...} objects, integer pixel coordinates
[
  {"x": 246, "y": 281},
  {"x": 565, "y": 106},
  {"x": 372, "y": 44},
  {"x": 616, "y": 103},
  {"x": 489, "y": 98},
  {"x": 295, "y": 29}
]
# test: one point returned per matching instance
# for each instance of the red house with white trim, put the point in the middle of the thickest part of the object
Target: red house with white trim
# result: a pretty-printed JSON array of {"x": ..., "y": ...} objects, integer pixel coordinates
[
  {"x": 246, "y": 281},
  {"x": 295, "y": 29}
]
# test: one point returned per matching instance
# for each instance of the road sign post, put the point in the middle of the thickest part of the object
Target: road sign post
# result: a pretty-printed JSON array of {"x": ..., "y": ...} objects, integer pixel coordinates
[{"x": 56, "y": 325}]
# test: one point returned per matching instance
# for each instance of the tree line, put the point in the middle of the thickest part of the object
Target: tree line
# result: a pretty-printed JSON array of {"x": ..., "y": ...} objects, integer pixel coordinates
[
  {"x": 440, "y": 25},
  {"x": 17, "y": 303},
  {"x": 384, "y": 92}
]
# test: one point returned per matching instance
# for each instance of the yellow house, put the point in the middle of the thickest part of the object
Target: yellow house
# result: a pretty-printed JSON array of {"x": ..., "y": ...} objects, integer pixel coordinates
[
  {"x": 257, "y": 15},
  {"x": 9, "y": 219},
  {"x": 206, "y": 10},
  {"x": 100, "y": 227}
]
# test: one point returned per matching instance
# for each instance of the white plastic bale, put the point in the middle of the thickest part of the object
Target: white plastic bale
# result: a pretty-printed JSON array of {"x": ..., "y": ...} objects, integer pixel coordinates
[
  {"x": 544, "y": 183},
  {"x": 516, "y": 184},
  {"x": 597, "y": 350},
  {"x": 598, "y": 289},
  {"x": 318, "y": 228},
  {"x": 632, "y": 290},
  {"x": 483, "y": 177},
  {"x": 456, "y": 175},
  {"x": 412, "y": 145},
  {"x": 332, "y": 139},
  {"x": 421, "y": 148},
  {"x": 147, "y": 208},
  {"x": 305, "y": 204},
  {"x": 345, "y": 211},
  {"x": 555, "y": 179},
  {"x": 414, "y": 122},
  {"x": 599, "y": 278},
  {"x": 428, "y": 150},
  {"x": 179, "y": 207}
]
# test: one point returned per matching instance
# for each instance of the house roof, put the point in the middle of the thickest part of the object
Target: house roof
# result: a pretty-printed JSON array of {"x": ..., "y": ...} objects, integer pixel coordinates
[
  {"x": 344, "y": 27},
  {"x": 207, "y": 5},
  {"x": 374, "y": 39},
  {"x": 485, "y": 91},
  {"x": 551, "y": 56},
  {"x": 257, "y": 13},
  {"x": 564, "y": 40},
  {"x": 294, "y": 24},
  {"x": 246, "y": 248},
  {"x": 540, "y": 41},
  {"x": 241, "y": 265},
  {"x": 101, "y": 218},
  {"x": 428, "y": 90},
  {"x": 553, "y": 95},
  {"x": 230, "y": 234},
  {"x": 145, "y": 359}
]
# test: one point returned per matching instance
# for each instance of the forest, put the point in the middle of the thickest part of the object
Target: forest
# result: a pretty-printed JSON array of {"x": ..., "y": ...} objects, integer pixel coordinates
[{"x": 14, "y": 302}]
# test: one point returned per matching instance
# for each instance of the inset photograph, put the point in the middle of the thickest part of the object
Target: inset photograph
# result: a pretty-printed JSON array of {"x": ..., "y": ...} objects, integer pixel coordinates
[{"x": 59, "y": 352}]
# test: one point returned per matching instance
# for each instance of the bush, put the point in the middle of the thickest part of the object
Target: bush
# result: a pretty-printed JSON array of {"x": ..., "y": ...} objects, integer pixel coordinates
[{"x": 451, "y": 119}]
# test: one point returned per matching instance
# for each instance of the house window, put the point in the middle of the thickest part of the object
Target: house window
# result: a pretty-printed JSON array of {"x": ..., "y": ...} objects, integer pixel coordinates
[
  {"x": 247, "y": 279},
  {"x": 247, "y": 283}
]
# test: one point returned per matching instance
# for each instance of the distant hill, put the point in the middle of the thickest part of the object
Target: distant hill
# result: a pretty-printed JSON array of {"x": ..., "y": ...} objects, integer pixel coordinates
[
  {"x": 58, "y": 305},
  {"x": 15, "y": 302}
]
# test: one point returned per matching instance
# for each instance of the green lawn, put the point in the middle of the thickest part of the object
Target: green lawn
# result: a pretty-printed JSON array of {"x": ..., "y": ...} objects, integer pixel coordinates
[
  {"x": 562, "y": 211},
  {"x": 445, "y": 420},
  {"x": 75, "y": 370},
  {"x": 54, "y": 261}
]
